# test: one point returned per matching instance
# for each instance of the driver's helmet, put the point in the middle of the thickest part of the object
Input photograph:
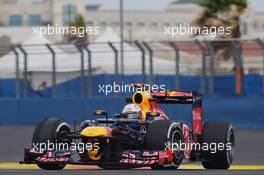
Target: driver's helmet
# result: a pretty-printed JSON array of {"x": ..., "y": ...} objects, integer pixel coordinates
[{"x": 132, "y": 111}]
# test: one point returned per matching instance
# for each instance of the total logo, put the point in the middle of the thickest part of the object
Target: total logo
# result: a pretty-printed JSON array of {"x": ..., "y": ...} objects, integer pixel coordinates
[{"x": 143, "y": 129}]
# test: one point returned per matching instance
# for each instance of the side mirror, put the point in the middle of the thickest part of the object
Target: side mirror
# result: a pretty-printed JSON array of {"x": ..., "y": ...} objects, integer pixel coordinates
[
  {"x": 153, "y": 114},
  {"x": 100, "y": 112}
]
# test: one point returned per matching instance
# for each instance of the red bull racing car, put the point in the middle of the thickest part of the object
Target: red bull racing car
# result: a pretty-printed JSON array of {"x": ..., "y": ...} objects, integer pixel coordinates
[{"x": 142, "y": 135}]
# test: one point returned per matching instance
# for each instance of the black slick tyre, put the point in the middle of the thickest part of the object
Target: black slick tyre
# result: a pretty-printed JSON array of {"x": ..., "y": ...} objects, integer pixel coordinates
[{"x": 222, "y": 136}]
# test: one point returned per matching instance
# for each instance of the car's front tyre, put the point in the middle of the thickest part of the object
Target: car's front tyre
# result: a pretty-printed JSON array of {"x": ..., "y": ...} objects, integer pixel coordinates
[
  {"x": 49, "y": 130},
  {"x": 160, "y": 132}
]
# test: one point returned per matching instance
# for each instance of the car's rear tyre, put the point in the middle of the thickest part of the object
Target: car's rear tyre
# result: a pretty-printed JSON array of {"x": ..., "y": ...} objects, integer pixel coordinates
[
  {"x": 48, "y": 130},
  {"x": 160, "y": 132},
  {"x": 218, "y": 133}
]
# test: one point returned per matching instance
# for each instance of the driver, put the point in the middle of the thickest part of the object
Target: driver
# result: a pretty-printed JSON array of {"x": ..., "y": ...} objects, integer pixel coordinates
[{"x": 132, "y": 111}]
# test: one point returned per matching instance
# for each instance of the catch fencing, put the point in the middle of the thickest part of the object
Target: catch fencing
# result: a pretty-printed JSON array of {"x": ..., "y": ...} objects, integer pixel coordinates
[{"x": 206, "y": 61}]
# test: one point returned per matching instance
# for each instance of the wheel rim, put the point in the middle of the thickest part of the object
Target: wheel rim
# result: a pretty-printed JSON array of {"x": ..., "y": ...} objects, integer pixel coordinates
[
  {"x": 62, "y": 130},
  {"x": 177, "y": 138},
  {"x": 231, "y": 140}
]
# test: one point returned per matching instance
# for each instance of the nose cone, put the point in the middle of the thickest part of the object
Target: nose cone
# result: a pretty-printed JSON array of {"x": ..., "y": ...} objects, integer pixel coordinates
[{"x": 96, "y": 131}]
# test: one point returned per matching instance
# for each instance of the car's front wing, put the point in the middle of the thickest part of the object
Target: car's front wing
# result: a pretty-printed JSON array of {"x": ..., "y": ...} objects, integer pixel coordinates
[{"x": 128, "y": 157}]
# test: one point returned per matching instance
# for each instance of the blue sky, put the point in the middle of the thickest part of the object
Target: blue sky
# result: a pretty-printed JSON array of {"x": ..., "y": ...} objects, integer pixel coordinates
[{"x": 258, "y": 5}]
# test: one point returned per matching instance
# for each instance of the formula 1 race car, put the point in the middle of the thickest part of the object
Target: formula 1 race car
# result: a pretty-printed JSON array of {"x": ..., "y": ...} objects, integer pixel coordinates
[{"x": 142, "y": 135}]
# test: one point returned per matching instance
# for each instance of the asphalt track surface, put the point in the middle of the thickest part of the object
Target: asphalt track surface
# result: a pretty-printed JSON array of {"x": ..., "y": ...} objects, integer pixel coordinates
[{"x": 249, "y": 157}]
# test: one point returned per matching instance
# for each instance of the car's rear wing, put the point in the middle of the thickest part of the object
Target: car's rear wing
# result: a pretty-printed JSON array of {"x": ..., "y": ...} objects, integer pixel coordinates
[
  {"x": 176, "y": 97},
  {"x": 144, "y": 100}
]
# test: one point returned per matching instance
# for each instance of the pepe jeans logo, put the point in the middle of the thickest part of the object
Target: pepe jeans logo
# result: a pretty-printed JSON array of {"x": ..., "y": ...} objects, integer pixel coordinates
[{"x": 196, "y": 115}]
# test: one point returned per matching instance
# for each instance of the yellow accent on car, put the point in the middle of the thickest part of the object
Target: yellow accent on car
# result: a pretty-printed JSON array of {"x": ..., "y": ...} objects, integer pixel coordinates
[
  {"x": 141, "y": 99},
  {"x": 153, "y": 113},
  {"x": 98, "y": 112},
  {"x": 95, "y": 131},
  {"x": 94, "y": 155}
]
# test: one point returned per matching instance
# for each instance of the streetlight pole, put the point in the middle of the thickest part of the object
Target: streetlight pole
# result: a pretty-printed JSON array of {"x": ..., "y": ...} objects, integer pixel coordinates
[{"x": 122, "y": 36}]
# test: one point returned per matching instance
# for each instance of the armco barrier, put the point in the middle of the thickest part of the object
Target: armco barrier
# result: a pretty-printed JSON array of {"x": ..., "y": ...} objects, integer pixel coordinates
[{"x": 244, "y": 111}]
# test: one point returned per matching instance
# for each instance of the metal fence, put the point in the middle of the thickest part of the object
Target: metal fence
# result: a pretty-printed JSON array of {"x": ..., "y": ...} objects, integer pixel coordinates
[{"x": 205, "y": 58}]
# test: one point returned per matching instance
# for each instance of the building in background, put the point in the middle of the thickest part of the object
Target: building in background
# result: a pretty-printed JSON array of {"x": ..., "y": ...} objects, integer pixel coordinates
[
  {"x": 18, "y": 16},
  {"x": 149, "y": 25},
  {"x": 39, "y": 12}
]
